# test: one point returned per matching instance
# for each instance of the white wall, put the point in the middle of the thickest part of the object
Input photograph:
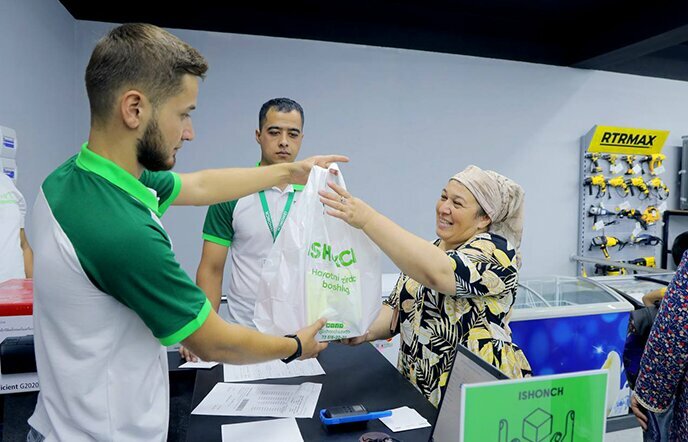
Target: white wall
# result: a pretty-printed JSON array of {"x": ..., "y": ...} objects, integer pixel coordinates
[
  {"x": 37, "y": 86},
  {"x": 409, "y": 120}
]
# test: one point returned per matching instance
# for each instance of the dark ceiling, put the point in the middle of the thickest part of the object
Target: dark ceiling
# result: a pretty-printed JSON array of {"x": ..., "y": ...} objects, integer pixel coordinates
[{"x": 649, "y": 38}]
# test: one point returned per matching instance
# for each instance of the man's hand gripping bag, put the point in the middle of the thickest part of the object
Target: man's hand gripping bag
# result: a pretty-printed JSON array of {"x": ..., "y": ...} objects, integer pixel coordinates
[{"x": 319, "y": 267}]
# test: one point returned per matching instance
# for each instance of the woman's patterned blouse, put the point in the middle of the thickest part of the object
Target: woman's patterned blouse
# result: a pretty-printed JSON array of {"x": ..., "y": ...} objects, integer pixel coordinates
[{"x": 476, "y": 315}]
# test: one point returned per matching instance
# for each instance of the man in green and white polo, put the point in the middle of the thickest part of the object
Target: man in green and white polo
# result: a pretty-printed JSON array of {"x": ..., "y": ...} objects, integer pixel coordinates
[
  {"x": 249, "y": 226},
  {"x": 109, "y": 293}
]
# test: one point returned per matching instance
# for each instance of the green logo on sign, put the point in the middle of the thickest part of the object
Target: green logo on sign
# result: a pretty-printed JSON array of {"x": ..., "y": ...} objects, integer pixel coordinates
[
  {"x": 538, "y": 426},
  {"x": 324, "y": 251}
]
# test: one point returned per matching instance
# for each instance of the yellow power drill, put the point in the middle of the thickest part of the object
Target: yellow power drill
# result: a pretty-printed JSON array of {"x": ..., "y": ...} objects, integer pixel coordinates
[
  {"x": 619, "y": 183},
  {"x": 653, "y": 161},
  {"x": 658, "y": 188},
  {"x": 597, "y": 181},
  {"x": 594, "y": 162},
  {"x": 611, "y": 158},
  {"x": 604, "y": 242},
  {"x": 629, "y": 159},
  {"x": 640, "y": 184}
]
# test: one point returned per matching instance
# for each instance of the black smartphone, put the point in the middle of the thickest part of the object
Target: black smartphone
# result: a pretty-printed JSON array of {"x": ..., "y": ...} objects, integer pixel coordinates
[{"x": 345, "y": 411}]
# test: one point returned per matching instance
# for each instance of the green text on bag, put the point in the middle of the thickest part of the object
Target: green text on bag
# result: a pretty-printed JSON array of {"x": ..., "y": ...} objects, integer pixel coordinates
[{"x": 342, "y": 259}]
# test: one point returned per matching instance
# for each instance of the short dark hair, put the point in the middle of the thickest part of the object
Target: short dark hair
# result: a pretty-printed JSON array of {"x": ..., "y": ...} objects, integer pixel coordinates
[
  {"x": 141, "y": 56},
  {"x": 280, "y": 105}
]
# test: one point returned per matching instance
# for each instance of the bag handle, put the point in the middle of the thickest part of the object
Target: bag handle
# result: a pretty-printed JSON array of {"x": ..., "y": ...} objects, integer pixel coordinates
[{"x": 335, "y": 178}]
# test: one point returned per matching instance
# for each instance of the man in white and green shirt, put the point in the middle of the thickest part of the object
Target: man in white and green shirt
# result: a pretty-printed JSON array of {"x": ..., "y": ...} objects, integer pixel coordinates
[
  {"x": 247, "y": 227},
  {"x": 109, "y": 293}
]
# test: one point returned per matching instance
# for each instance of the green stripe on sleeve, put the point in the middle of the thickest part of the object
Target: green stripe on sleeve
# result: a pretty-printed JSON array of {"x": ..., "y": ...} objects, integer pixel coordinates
[
  {"x": 216, "y": 240},
  {"x": 217, "y": 227},
  {"x": 190, "y": 327},
  {"x": 173, "y": 196}
]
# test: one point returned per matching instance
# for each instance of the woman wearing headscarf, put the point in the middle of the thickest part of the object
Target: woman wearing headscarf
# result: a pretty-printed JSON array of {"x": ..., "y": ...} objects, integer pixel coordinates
[{"x": 459, "y": 288}]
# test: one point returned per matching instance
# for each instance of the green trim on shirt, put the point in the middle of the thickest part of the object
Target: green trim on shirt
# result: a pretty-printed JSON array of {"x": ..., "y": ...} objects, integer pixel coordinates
[
  {"x": 218, "y": 222},
  {"x": 216, "y": 240},
  {"x": 92, "y": 162},
  {"x": 190, "y": 327},
  {"x": 173, "y": 196},
  {"x": 122, "y": 248},
  {"x": 166, "y": 185},
  {"x": 218, "y": 227}
]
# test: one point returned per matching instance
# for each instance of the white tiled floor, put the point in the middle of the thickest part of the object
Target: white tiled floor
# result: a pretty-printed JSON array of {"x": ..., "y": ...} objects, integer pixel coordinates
[{"x": 632, "y": 435}]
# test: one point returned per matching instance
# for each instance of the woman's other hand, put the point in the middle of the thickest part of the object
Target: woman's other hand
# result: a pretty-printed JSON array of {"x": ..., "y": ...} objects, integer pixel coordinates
[
  {"x": 341, "y": 204},
  {"x": 639, "y": 412},
  {"x": 355, "y": 341}
]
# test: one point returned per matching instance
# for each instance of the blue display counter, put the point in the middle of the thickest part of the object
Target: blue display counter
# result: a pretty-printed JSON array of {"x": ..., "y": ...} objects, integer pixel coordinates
[{"x": 569, "y": 324}]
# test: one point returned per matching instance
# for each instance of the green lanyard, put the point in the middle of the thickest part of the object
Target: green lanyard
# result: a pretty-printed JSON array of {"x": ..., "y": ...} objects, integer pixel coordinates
[{"x": 268, "y": 216}]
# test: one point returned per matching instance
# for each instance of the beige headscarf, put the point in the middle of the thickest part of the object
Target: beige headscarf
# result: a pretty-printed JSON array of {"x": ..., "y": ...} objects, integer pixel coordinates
[{"x": 500, "y": 197}]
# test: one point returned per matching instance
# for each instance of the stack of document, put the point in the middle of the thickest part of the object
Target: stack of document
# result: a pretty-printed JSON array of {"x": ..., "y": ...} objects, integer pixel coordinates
[
  {"x": 261, "y": 400},
  {"x": 264, "y": 399}
]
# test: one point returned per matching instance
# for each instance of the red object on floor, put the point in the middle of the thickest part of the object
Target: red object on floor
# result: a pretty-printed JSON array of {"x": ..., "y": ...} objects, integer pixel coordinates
[{"x": 16, "y": 297}]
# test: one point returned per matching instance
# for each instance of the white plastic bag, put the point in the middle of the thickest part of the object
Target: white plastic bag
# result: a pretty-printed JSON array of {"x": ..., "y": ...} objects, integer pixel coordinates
[{"x": 319, "y": 267}]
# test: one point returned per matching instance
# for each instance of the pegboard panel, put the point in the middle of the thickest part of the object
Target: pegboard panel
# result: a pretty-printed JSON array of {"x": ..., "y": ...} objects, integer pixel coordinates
[{"x": 622, "y": 197}]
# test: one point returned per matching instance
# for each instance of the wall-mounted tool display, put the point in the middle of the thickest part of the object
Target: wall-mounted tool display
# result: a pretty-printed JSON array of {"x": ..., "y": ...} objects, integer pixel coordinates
[{"x": 622, "y": 197}]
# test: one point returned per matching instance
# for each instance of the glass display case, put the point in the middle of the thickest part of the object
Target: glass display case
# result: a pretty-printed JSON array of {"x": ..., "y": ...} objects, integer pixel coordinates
[
  {"x": 569, "y": 324},
  {"x": 635, "y": 286}
]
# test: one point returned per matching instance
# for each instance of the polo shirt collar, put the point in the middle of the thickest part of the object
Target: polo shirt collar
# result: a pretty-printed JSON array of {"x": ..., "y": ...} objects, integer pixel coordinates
[{"x": 92, "y": 162}]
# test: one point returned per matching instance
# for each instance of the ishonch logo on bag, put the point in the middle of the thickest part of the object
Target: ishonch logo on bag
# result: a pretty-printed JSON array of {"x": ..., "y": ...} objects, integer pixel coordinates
[{"x": 323, "y": 250}]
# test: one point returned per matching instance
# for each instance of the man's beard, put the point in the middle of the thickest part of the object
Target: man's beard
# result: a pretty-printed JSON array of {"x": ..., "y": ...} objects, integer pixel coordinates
[{"x": 150, "y": 150}]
